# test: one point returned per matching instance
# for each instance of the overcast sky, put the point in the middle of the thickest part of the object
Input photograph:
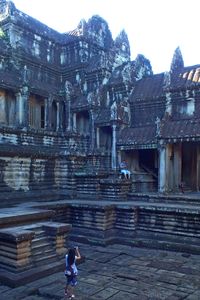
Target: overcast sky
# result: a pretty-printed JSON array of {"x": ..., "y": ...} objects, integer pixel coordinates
[{"x": 155, "y": 27}]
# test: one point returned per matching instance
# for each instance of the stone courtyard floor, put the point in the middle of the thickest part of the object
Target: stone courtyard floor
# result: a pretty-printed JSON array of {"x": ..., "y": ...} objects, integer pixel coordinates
[{"x": 120, "y": 272}]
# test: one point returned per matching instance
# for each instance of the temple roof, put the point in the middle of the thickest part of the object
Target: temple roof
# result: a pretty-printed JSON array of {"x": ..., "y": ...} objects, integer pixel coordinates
[
  {"x": 137, "y": 135},
  {"x": 148, "y": 87},
  {"x": 104, "y": 116},
  {"x": 186, "y": 77},
  {"x": 180, "y": 129},
  {"x": 80, "y": 102},
  {"x": 10, "y": 79}
]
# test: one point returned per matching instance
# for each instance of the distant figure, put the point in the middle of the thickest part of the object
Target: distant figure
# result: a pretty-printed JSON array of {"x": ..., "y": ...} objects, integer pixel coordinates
[
  {"x": 71, "y": 271},
  {"x": 124, "y": 170},
  {"x": 181, "y": 187}
]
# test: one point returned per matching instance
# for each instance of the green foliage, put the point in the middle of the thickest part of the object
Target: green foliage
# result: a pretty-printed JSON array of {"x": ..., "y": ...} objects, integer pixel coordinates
[{"x": 3, "y": 35}]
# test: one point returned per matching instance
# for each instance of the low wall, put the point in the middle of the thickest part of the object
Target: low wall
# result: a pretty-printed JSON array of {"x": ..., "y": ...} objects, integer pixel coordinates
[{"x": 172, "y": 227}]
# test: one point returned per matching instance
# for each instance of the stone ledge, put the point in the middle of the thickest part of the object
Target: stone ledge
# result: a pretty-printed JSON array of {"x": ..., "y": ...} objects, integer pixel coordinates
[
  {"x": 16, "y": 235},
  {"x": 14, "y": 280}
]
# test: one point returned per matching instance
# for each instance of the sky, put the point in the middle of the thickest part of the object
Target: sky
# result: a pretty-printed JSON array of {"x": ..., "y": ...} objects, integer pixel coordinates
[{"x": 155, "y": 28}]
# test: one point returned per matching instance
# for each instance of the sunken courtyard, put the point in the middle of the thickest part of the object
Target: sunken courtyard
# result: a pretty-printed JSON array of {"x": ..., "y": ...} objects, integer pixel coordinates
[{"x": 73, "y": 106}]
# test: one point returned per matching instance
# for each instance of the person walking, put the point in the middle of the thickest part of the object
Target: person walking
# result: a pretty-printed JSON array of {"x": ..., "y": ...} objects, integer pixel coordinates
[{"x": 71, "y": 271}]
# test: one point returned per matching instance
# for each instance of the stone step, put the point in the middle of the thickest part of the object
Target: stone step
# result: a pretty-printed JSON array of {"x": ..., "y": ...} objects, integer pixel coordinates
[
  {"x": 165, "y": 245},
  {"x": 44, "y": 260},
  {"x": 42, "y": 255},
  {"x": 41, "y": 247},
  {"x": 10, "y": 217},
  {"x": 178, "y": 198}
]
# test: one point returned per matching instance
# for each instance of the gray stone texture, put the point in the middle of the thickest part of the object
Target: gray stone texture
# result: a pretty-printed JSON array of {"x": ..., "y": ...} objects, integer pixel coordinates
[{"x": 122, "y": 272}]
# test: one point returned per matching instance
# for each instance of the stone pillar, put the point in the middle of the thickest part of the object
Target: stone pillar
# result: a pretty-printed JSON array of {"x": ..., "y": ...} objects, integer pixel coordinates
[
  {"x": 23, "y": 107},
  {"x": 114, "y": 154},
  {"x": 50, "y": 111},
  {"x": 177, "y": 166},
  {"x": 162, "y": 169},
  {"x": 74, "y": 122},
  {"x": 3, "y": 119},
  {"x": 58, "y": 116},
  {"x": 92, "y": 130},
  {"x": 198, "y": 168},
  {"x": 69, "y": 114},
  {"x": 68, "y": 95},
  {"x": 119, "y": 156},
  {"x": 46, "y": 114},
  {"x": 98, "y": 138}
]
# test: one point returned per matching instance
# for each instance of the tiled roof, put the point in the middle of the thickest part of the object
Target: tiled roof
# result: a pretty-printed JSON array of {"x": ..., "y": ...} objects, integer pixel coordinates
[
  {"x": 9, "y": 78},
  {"x": 148, "y": 87},
  {"x": 103, "y": 116},
  {"x": 43, "y": 87},
  {"x": 80, "y": 102},
  {"x": 180, "y": 129},
  {"x": 188, "y": 76},
  {"x": 137, "y": 135}
]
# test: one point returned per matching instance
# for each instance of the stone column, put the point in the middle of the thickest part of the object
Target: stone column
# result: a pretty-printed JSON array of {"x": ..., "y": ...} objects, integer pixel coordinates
[
  {"x": 198, "y": 168},
  {"x": 114, "y": 154},
  {"x": 98, "y": 138},
  {"x": 92, "y": 130},
  {"x": 68, "y": 94},
  {"x": 69, "y": 114},
  {"x": 3, "y": 119},
  {"x": 46, "y": 114},
  {"x": 119, "y": 156},
  {"x": 74, "y": 122},
  {"x": 162, "y": 169},
  {"x": 23, "y": 107},
  {"x": 50, "y": 113},
  {"x": 177, "y": 166},
  {"x": 58, "y": 116}
]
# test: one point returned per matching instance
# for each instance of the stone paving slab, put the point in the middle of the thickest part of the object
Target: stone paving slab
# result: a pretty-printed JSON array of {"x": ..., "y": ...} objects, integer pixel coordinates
[{"x": 120, "y": 272}]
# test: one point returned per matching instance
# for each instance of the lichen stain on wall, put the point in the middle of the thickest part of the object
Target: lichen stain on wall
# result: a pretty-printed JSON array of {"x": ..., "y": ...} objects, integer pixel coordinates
[
  {"x": 16, "y": 173},
  {"x": 38, "y": 166},
  {"x": 60, "y": 173}
]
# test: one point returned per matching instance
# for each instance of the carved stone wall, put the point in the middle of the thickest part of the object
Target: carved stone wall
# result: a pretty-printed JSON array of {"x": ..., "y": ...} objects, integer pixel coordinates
[{"x": 65, "y": 98}]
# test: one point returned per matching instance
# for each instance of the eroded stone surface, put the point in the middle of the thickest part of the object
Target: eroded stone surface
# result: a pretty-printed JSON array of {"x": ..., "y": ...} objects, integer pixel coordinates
[{"x": 122, "y": 280}]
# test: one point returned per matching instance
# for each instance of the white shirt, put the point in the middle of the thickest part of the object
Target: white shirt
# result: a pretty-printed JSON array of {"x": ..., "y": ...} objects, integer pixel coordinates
[{"x": 74, "y": 268}]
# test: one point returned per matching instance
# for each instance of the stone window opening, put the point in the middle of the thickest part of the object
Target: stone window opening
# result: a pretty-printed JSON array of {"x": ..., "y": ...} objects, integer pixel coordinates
[
  {"x": 36, "y": 112},
  {"x": 82, "y": 123},
  {"x": 7, "y": 108},
  {"x": 105, "y": 138},
  {"x": 186, "y": 108},
  {"x": 54, "y": 116}
]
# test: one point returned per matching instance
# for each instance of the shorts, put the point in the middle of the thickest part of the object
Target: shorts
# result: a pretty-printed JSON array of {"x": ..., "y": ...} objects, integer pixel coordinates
[{"x": 71, "y": 280}]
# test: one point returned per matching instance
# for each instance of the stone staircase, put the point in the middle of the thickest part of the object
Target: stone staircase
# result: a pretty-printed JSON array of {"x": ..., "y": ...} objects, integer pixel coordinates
[
  {"x": 143, "y": 181},
  {"x": 29, "y": 252},
  {"x": 42, "y": 250}
]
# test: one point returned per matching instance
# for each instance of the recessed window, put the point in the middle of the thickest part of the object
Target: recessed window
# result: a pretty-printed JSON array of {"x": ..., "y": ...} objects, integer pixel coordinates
[{"x": 36, "y": 112}]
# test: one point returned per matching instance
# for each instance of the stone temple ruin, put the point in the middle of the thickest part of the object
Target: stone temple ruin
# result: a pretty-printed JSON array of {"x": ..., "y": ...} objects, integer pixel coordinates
[{"x": 72, "y": 107}]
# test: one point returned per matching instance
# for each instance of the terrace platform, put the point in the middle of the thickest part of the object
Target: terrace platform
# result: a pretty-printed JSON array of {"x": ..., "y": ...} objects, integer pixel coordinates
[{"x": 42, "y": 229}]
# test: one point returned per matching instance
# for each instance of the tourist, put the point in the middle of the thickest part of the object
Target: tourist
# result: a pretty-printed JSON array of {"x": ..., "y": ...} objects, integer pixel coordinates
[
  {"x": 124, "y": 170},
  {"x": 71, "y": 271}
]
